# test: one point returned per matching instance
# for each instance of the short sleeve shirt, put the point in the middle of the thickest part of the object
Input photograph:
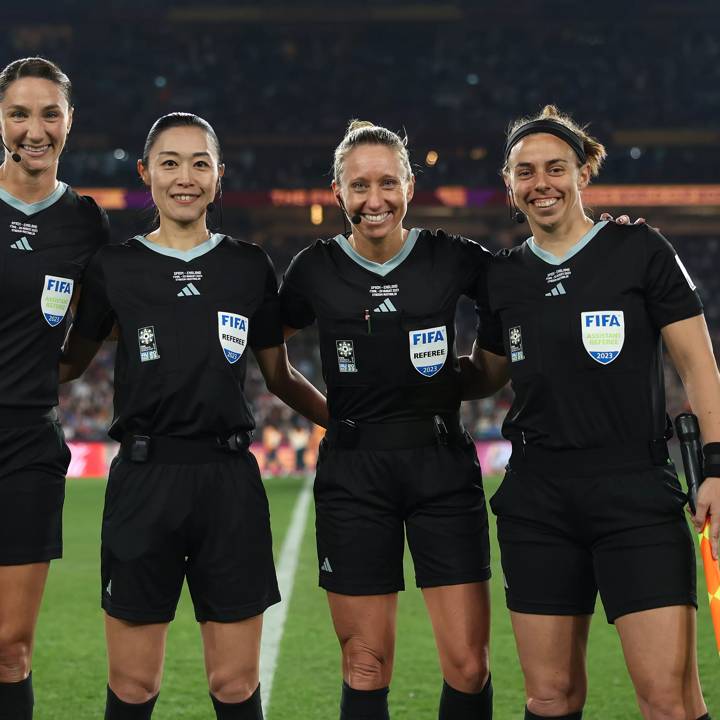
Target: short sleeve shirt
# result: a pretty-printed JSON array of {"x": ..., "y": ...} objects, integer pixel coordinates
[
  {"x": 387, "y": 333},
  {"x": 44, "y": 249},
  {"x": 582, "y": 336},
  {"x": 186, "y": 319}
]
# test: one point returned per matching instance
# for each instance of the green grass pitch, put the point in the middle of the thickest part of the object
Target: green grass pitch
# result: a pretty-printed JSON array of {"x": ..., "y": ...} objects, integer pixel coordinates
[{"x": 69, "y": 665}]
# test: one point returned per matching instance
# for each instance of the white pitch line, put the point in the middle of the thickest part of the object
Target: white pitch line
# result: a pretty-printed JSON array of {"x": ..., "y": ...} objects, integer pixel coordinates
[{"x": 275, "y": 616}]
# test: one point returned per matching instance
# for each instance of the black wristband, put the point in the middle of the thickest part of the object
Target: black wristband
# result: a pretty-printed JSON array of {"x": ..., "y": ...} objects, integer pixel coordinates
[{"x": 711, "y": 466}]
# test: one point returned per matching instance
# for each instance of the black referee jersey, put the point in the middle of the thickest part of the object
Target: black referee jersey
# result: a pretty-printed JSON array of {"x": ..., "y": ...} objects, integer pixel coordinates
[
  {"x": 44, "y": 248},
  {"x": 387, "y": 331},
  {"x": 582, "y": 334},
  {"x": 186, "y": 319}
]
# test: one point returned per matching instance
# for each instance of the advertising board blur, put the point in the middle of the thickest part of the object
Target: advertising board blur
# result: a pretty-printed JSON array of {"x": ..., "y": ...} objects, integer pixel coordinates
[{"x": 92, "y": 459}]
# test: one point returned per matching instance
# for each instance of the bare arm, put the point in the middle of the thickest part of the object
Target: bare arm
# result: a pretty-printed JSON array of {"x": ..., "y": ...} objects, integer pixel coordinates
[
  {"x": 482, "y": 373},
  {"x": 688, "y": 343},
  {"x": 290, "y": 386},
  {"x": 77, "y": 355},
  {"x": 288, "y": 331}
]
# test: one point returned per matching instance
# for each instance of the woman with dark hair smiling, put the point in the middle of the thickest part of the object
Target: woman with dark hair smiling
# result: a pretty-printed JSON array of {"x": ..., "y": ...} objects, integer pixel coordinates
[
  {"x": 591, "y": 501},
  {"x": 49, "y": 234},
  {"x": 184, "y": 496}
]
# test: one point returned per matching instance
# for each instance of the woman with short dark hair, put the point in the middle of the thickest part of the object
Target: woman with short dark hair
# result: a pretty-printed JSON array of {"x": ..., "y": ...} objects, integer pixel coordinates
[{"x": 184, "y": 497}]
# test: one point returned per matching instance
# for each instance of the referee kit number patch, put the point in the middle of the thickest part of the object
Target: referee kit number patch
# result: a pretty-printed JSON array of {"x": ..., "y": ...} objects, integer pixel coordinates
[
  {"x": 232, "y": 331},
  {"x": 56, "y": 297},
  {"x": 603, "y": 334},
  {"x": 428, "y": 349}
]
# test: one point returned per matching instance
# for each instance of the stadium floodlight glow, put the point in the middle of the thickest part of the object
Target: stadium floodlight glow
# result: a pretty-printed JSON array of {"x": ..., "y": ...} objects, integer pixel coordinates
[
  {"x": 472, "y": 79},
  {"x": 478, "y": 153},
  {"x": 316, "y": 214},
  {"x": 431, "y": 158},
  {"x": 120, "y": 154},
  {"x": 160, "y": 81},
  {"x": 635, "y": 152}
]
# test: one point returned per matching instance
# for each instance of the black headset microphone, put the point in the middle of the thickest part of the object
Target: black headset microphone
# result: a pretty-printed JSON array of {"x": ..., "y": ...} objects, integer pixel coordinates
[
  {"x": 355, "y": 219},
  {"x": 13, "y": 153},
  {"x": 517, "y": 215}
]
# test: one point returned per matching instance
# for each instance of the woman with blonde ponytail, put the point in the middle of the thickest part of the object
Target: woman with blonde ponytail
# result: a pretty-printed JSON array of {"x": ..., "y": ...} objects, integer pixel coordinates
[{"x": 396, "y": 459}]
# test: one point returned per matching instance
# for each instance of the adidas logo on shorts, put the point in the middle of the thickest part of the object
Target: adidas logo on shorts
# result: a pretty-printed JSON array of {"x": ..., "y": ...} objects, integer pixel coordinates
[{"x": 326, "y": 566}]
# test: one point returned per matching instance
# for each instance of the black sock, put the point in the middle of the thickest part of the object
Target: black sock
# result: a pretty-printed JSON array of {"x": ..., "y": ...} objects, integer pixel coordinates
[
  {"x": 250, "y": 709},
  {"x": 572, "y": 716},
  {"x": 116, "y": 709},
  {"x": 364, "y": 704},
  {"x": 17, "y": 700},
  {"x": 456, "y": 705},
  {"x": 706, "y": 716}
]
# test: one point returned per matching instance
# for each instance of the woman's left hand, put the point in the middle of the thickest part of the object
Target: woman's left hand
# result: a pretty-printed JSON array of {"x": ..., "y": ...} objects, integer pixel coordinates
[{"x": 708, "y": 506}]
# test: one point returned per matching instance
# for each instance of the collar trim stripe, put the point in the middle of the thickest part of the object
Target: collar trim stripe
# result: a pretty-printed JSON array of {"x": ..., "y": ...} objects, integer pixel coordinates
[
  {"x": 185, "y": 255},
  {"x": 36, "y": 207},
  {"x": 381, "y": 269},
  {"x": 574, "y": 250}
]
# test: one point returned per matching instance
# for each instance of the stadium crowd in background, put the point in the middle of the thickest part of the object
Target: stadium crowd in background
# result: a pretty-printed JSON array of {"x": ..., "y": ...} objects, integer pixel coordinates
[{"x": 466, "y": 81}]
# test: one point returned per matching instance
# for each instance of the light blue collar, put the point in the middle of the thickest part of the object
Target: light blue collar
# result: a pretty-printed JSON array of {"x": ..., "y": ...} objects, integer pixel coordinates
[
  {"x": 381, "y": 269},
  {"x": 574, "y": 250},
  {"x": 36, "y": 207},
  {"x": 184, "y": 255}
]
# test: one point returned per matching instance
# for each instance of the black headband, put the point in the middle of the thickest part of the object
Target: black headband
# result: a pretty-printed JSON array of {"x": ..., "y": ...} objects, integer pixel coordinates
[{"x": 553, "y": 127}]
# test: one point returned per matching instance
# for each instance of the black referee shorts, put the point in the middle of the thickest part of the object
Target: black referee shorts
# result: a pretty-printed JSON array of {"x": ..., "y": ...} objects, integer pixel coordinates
[
  {"x": 563, "y": 538},
  {"x": 33, "y": 463},
  {"x": 367, "y": 499},
  {"x": 208, "y": 522}
]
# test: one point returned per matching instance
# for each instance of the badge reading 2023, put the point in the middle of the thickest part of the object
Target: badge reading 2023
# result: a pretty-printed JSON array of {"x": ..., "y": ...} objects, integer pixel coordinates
[
  {"x": 603, "y": 334},
  {"x": 56, "y": 296},
  {"x": 232, "y": 331},
  {"x": 428, "y": 349}
]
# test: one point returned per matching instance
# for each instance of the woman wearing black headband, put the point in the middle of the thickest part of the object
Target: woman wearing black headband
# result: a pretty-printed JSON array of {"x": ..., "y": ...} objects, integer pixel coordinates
[{"x": 591, "y": 500}]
